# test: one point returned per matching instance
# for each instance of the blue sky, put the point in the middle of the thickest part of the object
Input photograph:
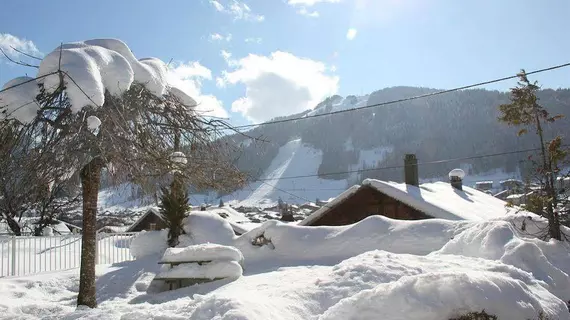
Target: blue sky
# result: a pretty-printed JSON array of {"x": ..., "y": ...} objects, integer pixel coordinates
[{"x": 252, "y": 60}]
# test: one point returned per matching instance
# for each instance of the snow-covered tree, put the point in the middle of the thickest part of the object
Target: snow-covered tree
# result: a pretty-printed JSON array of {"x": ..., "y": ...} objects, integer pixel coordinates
[
  {"x": 96, "y": 106},
  {"x": 524, "y": 110},
  {"x": 29, "y": 182}
]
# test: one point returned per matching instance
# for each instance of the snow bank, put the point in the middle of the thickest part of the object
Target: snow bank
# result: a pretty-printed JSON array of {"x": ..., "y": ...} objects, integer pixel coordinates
[
  {"x": 456, "y": 267},
  {"x": 436, "y": 288},
  {"x": 19, "y": 102},
  {"x": 501, "y": 241},
  {"x": 297, "y": 243},
  {"x": 205, "y": 227},
  {"x": 213, "y": 270},
  {"x": 202, "y": 252},
  {"x": 149, "y": 242}
]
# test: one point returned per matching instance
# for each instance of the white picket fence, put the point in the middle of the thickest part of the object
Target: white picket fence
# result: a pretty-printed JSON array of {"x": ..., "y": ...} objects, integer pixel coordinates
[{"x": 31, "y": 255}]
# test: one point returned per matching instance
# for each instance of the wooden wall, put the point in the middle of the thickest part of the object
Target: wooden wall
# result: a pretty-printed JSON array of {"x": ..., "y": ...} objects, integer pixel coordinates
[
  {"x": 366, "y": 202},
  {"x": 146, "y": 222}
]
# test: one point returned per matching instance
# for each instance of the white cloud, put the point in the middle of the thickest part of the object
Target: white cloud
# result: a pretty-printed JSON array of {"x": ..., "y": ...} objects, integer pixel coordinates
[
  {"x": 279, "y": 84},
  {"x": 237, "y": 9},
  {"x": 219, "y": 37},
  {"x": 217, "y": 5},
  {"x": 351, "y": 34},
  {"x": 9, "y": 42},
  {"x": 309, "y": 3},
  {"x": 188, "y": 77},
  {"x": 253, "y": 40},
  {"x": 304, "y": 12},
  {"x": 228, "y": 58}
]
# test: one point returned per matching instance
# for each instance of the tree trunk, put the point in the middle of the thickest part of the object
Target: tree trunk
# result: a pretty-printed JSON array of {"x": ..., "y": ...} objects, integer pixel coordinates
[
  {"x": 552, "y": 215},
  {"x": 13, "y": 225},
  {"x": 90, "y": 180}
]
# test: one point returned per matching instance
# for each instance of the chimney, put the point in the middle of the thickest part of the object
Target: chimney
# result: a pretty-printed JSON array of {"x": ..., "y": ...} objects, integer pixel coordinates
[
  {"x": 411, "y": 176},
  {"x": 456, "y": 178}
]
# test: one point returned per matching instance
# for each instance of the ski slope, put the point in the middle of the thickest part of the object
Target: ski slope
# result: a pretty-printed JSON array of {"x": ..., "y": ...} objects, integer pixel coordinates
[{"x": 293, "y": 159}]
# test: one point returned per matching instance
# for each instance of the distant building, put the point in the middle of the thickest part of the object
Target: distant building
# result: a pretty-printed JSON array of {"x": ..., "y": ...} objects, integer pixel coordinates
[
  {"x": 150, "y": 220},
  {"x": 112, "y": 229},
  {"x": 484, "y": 185},
  {"x": 153, "y": 220}
]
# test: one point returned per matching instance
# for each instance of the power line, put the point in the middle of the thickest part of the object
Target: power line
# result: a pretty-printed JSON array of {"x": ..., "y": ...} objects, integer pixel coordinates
[
  {"x": 28, "y": 81},
  {"x": 403, "y": 99},
  {"x": 400, "y": 166}
]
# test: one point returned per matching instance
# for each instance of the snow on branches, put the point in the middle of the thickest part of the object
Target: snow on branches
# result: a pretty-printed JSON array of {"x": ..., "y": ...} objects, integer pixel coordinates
[{"x": 89, "y": 70}]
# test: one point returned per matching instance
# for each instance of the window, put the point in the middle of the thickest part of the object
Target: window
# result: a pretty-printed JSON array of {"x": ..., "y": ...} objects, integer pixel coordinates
[{"x": 152, "y": 226}]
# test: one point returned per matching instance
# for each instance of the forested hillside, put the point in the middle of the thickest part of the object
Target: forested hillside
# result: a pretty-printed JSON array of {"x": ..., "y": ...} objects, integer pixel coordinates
[{"x": 453, "y": 125}]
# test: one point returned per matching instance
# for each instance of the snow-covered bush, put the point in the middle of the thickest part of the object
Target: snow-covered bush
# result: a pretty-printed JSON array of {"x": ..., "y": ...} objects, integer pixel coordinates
[
  {"x": 206, "y": 227},
  {"x": 148, "y": 243}
]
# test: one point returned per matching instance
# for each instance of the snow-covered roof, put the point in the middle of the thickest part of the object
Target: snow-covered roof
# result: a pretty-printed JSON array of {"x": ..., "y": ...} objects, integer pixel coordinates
[
  {"x": 332, "y": 203},
  {"x": 436, "y": 199},
  {"x": 139, "y": 220},
  {"x": 240, "y": 223},
  {"x": 441, "y": 200}
]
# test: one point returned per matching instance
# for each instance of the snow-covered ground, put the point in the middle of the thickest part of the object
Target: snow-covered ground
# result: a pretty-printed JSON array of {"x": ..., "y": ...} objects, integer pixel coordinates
[{"x": 377, "y": 268}]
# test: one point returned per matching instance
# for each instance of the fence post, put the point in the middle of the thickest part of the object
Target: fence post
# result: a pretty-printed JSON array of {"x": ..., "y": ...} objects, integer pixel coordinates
[
  {"x": 13, "y": 256},
  {"x": 97, "y": 248}
]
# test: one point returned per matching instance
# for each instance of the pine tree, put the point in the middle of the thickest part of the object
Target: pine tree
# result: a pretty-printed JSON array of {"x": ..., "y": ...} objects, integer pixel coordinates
[
  {"x": 174, "y": 204},
  {"x": 525, "y": 111},
  {"x": 221, "y": 203}
]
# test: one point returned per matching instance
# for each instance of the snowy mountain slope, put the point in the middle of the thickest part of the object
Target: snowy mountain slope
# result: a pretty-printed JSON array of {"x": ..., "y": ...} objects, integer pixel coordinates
[
  {"x": 293, "y": 159},
  {"x": 449, "y": 126},
  {"x": 296, "y": 159},
  {"x": 338, "y": 103}
]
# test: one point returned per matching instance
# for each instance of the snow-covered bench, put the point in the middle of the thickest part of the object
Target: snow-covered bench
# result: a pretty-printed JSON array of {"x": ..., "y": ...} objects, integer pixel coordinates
[{"x": 199, "y": 264}]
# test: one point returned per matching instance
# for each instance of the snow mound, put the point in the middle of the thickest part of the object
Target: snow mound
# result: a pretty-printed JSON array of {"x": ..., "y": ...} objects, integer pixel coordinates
[
  {"x": 19, "y": 102},
  {"x": 148, "y": 243},
  {"x": 214, "y": 270},
  {"x": 297, "y": 244},
  {"x": 202, "y": 252},
  {"x": 435, "y": 288},
  {"x": 500, "y": 241},
  {"x": 204, "y": 227}
]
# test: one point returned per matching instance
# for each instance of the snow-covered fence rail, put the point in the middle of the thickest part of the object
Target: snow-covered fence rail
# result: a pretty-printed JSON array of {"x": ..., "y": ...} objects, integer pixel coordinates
[{"x": 29, "y": 255}]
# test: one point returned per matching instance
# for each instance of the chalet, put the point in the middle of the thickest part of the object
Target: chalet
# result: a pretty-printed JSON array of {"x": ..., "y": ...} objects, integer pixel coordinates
[
  {"x": 150, "y": 220},
  {"x": 409, "y": 201}
]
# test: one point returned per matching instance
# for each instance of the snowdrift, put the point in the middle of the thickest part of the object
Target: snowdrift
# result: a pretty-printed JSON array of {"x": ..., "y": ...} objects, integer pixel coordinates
[{"x": 430, "y": 269}]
